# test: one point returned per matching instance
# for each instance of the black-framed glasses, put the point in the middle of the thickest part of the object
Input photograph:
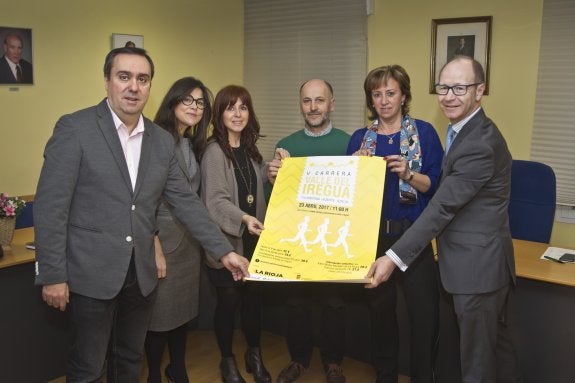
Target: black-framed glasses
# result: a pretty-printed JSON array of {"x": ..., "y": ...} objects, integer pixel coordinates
[
  {"x": 458, "y": 90},
  {"x": 189, "y": 100}
]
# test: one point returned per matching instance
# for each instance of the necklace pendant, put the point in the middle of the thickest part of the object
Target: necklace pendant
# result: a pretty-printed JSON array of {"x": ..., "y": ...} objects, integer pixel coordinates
[
  {"x": 390, "y": 141},
  {"x": 250, "y": 199}
]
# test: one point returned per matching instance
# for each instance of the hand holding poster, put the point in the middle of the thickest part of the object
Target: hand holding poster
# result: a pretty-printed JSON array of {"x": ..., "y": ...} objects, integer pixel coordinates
[{"x": 322, "y": 222}]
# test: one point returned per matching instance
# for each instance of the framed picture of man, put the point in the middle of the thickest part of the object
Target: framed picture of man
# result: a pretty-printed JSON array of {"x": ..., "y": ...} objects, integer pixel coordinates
[
  {"x": 16, "y": 62},
  {"x": 121, "y": 40},
  {"x": 464, "y": 36}
]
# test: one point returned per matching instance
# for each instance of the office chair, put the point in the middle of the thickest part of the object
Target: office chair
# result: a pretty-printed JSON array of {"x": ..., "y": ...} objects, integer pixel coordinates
[
  {"x": 26, "y": 218},
  {"x": 532, "y": 203}
]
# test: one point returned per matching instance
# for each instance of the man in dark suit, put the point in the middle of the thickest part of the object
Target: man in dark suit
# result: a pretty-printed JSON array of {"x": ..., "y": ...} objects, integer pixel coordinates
[
  {"x": 468, "y": 215},
  {"x": 13, "y": 68},
  {"x": 463, "y": 49},
  {"x": 105, "y": 171}
]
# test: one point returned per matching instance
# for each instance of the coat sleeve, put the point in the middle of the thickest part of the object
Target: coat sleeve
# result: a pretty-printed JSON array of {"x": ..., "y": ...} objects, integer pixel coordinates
[
  {"x": 62, "y": 159},
  {"x": 218, "y": 192},
  {"x": 468, "y": 174},
  {"x": 192, "y": 213},
  {"x": 432, "y": 155}
]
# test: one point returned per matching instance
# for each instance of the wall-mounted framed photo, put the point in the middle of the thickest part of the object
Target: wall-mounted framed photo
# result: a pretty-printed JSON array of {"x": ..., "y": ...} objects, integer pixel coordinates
[
  {"x": 16, "y": 65},
  {"x": 468, "y": 36},
  {"x": 120, "y": 40}
]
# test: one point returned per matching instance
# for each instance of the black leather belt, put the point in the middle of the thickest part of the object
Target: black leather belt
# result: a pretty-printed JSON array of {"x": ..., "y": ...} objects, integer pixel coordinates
[{"x": 395, "y": 227}]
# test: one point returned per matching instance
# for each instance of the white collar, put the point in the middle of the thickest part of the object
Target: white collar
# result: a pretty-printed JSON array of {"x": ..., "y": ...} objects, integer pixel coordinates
[
  {"x": 459, "y": 125},
  {"x": 320, "y": 134},
  {"x": 118, "y": 123}
]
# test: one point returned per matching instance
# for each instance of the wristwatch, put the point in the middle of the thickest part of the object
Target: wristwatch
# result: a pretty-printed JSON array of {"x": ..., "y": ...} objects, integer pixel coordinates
[{"x": 410, "y": 176}]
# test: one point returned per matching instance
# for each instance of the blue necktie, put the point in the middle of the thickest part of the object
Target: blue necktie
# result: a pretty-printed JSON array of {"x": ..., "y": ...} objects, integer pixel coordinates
[{"x": 450, "y": 136}]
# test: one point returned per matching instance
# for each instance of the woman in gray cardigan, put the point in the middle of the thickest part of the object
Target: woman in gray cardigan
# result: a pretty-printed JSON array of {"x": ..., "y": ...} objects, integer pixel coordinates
[
  {"x": 233, "y": 173},
  {"x": 185, "y": 112}
]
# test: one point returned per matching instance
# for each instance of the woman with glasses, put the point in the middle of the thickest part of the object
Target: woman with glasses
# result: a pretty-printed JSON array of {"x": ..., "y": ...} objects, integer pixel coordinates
[
  {"x": 185, "y": 112},
  {"x": 414, "y": 154},
  {"x": 233, "y": 176}
]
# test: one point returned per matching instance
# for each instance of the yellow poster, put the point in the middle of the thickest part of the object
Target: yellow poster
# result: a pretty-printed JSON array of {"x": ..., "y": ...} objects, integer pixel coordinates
[{"x": 322, "y": 221}]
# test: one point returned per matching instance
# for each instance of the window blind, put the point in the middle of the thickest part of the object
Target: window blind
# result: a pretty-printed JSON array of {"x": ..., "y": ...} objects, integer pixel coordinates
[
  {"x": 553, "y": 140},
  {"x": 289, "y": 42}
]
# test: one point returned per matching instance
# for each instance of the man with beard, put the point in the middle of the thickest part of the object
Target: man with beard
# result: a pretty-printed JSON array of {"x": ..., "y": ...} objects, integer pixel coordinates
[{"x": 317, "y": 138}]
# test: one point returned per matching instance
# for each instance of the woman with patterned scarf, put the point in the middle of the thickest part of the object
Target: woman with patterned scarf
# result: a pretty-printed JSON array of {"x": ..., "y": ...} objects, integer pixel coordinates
[{"x": 414, "y": 154}]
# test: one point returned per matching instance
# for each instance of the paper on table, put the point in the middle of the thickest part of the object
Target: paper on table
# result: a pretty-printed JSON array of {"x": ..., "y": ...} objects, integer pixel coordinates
[{"x": 555, "y": 253}]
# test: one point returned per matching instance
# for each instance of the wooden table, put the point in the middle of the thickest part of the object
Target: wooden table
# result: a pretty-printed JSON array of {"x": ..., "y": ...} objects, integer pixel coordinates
[
  {"x": 18, "y": 253},
  {"x": 528, "y": 264},
  {"x": 31, "y": 333},
  {"x": 528, "y": 260},
  {"x": 544, "y": 309},
  {"x": 543, "y": 306}
]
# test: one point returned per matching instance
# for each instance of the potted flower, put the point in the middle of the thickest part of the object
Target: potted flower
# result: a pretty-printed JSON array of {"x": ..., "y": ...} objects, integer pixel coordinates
[{"x": 10, "y": 208}]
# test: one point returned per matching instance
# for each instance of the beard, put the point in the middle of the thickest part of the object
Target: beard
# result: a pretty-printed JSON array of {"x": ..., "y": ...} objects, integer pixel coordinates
[{"x": 318, "y": 124}]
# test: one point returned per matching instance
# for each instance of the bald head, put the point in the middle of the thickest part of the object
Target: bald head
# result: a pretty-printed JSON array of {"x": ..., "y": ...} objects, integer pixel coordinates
[
  {"x": 476, "y": 67},
  {"x": 316, "y": 103},
  {"x": 13, "y": 47},
  {"x": 461, "y": 76},
  {"x": 317, "y": 82}
]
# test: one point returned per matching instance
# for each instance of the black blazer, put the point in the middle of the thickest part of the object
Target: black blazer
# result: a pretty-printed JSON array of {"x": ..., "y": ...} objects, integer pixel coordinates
[{"x": 7, "y": 76}]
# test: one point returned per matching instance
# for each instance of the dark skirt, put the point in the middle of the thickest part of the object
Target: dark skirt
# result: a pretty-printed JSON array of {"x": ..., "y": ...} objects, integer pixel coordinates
[{"x": 222, "y": 277}]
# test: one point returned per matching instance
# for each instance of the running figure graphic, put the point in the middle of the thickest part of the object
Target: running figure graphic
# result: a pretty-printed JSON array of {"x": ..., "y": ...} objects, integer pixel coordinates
[
  {"x": 342, "y": 234},
  {"x": 320, "y": 238},
  {"x": 302, "y": 228}
]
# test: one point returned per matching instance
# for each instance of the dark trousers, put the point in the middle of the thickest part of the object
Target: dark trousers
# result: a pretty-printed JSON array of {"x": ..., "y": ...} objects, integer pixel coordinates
[
  {"x": 331, "y": 299},
  {"x": 156, "y": 343},
  {"x": 420, "y": 285},
  {"x": 115, "y": 327},
  {"x": 247, "y": 297},
  {"x": 487, "y": 351}
]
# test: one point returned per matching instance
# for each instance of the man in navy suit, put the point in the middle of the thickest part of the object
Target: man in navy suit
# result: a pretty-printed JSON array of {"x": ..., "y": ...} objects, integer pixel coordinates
[
  {"x": 463, "y": 49},
  {"x": 13, "y": 68},
  {"x": 106, "y": 169},
  {"x": 468, "y": 215}
]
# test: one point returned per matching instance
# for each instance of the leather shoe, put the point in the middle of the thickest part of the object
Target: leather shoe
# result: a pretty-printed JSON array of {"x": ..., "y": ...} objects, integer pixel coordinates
[
  {"x": 229, "y": 370},
  {"x": 291, "y": 373},
  {"x": 255, "y": 365},
  {"x": 334, "y": 373}
]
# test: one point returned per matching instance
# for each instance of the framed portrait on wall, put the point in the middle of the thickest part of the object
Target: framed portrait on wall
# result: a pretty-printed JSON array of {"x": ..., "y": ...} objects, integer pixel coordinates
[
  {"x": 467, "y": 36},
  {"x": 16, "y": 65},
  {"x": 121, "y": 40}
]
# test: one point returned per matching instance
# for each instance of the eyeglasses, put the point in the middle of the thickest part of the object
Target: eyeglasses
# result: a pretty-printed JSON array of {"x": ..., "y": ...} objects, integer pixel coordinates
[
  {"x": 189, "y": 100},
  {"x": 458, "y": 90}
]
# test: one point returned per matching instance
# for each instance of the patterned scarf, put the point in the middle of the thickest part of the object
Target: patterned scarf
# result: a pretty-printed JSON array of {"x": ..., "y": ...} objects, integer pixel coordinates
[{"x": 409, "y": 148}]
